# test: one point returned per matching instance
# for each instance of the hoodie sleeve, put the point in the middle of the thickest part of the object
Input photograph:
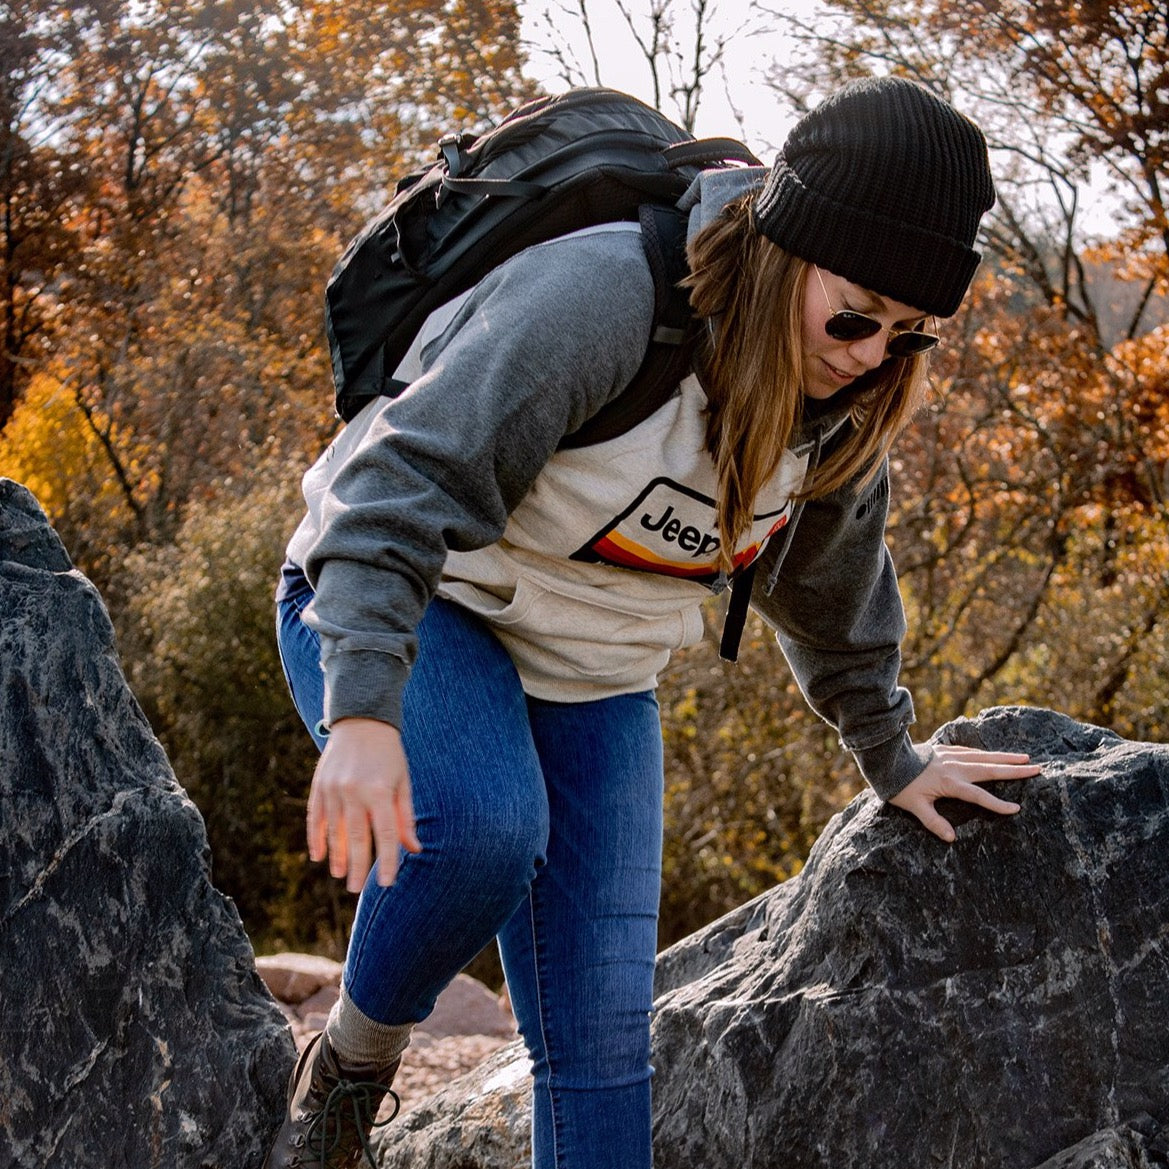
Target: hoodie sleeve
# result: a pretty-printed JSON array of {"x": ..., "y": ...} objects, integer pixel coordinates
[
  {"x": 837, "y": 612},
  {"x": 539, "y": 346}
]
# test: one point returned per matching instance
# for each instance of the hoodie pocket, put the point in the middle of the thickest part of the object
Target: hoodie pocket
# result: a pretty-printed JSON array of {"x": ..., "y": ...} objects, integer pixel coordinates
[
  {"x": 494, "y": 609},
  {"x": 598, "y": 634}
]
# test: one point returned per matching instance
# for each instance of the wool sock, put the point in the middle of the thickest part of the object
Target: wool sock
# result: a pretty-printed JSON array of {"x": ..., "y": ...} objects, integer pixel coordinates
[{"x": 361, "y": 1042}]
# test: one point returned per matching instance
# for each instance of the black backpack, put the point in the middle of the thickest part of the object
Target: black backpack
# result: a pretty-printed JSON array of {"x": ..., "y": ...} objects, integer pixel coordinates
[{"x": 586, "y": 157}]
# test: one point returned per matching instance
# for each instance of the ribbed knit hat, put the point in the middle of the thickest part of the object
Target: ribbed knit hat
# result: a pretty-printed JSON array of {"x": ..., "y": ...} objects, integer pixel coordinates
[{"x": 883, "y": 184}]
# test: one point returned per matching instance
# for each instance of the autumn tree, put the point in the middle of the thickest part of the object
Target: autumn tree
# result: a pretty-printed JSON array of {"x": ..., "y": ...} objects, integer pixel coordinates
[
  {"x": 39, "y": 181},
  {"x": 1035, "y": 484},
  {"x": 178, "y": 179},
  {"x": 228, "y": 154}
]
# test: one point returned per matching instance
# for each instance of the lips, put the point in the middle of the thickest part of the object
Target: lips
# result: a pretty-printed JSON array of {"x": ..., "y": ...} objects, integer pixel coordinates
[{"x": 839, "y": 374}]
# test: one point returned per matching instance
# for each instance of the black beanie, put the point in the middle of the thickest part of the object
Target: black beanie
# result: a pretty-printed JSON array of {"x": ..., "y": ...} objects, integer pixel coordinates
[{"x": 883, "y": 184}]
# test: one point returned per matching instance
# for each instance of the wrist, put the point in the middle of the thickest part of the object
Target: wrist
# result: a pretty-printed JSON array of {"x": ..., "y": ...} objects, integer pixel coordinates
[
  {"x": 364, "y": 684},
  {"x": 893, "y": 765}
]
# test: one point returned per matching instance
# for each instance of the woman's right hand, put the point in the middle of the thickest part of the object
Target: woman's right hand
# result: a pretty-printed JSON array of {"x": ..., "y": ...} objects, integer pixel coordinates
[{"x": 360, "y": 798}]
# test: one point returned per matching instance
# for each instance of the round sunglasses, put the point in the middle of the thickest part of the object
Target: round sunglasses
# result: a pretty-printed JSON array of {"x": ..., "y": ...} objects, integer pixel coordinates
[{"x": 849, "y": 326}]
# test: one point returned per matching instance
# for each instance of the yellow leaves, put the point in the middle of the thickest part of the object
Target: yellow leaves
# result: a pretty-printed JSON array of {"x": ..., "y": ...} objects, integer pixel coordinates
[
  {"x": 751, "y": 778},
  {"x": 686, "y": 708},
  {"x": 49, "y": 446}
]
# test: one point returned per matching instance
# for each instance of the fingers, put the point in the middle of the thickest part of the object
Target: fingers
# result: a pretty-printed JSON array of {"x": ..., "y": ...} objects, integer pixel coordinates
[
  {"x": 337, "y": 836},
  {"x": 945, "y": 749},
  {"x": 955, "y": 769},
  {"x": 987, "y": 800},
  {"x": 977, "y": 766},
  {"x": 926, "y": 811},
  {"x": 360, "y": 804},
  {"x": 990, "y": 773},
  {"x": 386, "y": 839},
  {"x": 932, "y": 819},
  {"x": 922, "y": 804},
  {"x": 394, "y": 826},
  {"x": 356, "y": 823},
  {"x": 393, "y": 829},
  {"x": 404, "y": 809},
  {"x": 317, "y": 824},
  {"x": 954, "y": 773}
]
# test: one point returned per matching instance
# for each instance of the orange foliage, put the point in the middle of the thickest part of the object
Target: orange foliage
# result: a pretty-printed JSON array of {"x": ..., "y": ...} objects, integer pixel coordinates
[{"x": 222, "y": 156}]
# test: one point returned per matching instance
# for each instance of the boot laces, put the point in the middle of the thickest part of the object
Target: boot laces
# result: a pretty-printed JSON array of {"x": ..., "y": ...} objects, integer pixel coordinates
[{"x": 361, "y": 1098}]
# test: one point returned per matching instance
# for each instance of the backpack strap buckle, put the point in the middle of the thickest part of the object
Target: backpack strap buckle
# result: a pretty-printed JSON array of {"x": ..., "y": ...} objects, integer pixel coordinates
[{"x": 452, "y": 148}]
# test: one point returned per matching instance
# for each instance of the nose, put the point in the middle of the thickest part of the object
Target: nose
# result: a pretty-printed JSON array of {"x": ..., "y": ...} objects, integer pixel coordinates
[{"x": 870, "y": 351}]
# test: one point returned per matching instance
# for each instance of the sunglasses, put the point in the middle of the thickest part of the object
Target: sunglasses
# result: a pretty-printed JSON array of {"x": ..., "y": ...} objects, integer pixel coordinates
[{"x": 848, "y": 326}]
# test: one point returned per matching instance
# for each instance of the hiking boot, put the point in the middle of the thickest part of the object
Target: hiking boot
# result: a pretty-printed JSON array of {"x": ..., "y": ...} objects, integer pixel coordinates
[{"x": 331, "y": 1112}]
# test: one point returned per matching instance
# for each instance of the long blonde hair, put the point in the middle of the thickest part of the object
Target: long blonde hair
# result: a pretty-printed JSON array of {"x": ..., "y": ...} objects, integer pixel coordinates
[{"x": 751, "y": 293}]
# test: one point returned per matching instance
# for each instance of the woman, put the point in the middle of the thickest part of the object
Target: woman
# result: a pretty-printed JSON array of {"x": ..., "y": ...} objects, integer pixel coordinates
[{"x": 491, "y": 613}]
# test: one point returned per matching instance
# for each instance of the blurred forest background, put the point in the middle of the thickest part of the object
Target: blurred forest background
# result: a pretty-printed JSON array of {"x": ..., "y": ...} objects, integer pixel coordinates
[{"x": 178, "y": 177}]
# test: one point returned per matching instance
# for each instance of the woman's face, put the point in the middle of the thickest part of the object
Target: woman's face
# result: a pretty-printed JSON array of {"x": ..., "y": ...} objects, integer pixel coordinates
[{"x": 830, "y": 365}]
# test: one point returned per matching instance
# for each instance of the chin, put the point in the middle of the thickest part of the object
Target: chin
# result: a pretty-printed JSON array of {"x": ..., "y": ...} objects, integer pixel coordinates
[{"x": 822, "y": 393}]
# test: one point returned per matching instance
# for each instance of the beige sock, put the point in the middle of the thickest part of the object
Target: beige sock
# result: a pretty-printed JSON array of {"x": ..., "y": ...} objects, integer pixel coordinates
[{"x": 360, "y": 1041}]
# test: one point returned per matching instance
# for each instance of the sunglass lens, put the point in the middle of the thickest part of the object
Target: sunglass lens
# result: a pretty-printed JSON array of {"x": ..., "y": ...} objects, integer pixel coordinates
[
  {"x": 910, "y": 344},
  {"x": 850, "y": 326}
]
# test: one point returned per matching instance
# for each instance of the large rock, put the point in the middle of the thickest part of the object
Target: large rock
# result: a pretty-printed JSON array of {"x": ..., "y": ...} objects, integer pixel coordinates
[
  {"x": 480, "y": 1121},
  {"x": 1112, "y": 1148},
  {"x": 467, "y": 1007},
  {"x": 136, "y": 1032},
  {"x": 293, "y": 978},
  {"x": 998, "y": 1003}
]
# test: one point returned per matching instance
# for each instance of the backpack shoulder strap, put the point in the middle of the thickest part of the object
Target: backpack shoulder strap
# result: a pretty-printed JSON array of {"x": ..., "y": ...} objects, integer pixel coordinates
[
  {"x": 668, "y": 356},
  {"x": 736, "y": 615}
]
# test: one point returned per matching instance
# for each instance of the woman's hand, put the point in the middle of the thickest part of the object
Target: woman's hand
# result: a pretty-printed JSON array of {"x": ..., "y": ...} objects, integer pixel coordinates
[
  {"x": 954, "y": 773},
  {"x": 361, "y": 783}
]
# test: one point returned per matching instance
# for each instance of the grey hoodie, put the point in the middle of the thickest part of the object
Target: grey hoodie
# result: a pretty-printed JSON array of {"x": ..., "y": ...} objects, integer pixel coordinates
[{"x": 457, "y": 487}]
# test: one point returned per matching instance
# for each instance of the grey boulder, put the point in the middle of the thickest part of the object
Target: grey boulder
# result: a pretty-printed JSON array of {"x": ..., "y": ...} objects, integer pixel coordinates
[
  {"x": 136, "y": 1032},
  {"x": 998, "y": 1003}
]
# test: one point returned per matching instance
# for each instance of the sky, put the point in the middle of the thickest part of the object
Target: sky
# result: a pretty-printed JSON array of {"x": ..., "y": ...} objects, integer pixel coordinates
[
  {"x": 739, "y": 91},
  {"x": 741, "y": 88}
]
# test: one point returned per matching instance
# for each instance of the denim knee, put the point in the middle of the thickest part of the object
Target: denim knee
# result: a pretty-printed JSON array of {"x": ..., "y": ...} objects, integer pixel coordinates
[{"x": 486, "y": 839}]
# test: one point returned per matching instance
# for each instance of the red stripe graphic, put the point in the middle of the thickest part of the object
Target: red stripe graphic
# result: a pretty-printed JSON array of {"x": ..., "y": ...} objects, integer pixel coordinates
[{"x": 615, "y": 549}]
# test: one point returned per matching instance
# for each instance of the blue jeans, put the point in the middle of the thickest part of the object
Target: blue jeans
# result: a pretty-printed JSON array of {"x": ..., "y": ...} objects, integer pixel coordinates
[{"x": 541, "y": 825}]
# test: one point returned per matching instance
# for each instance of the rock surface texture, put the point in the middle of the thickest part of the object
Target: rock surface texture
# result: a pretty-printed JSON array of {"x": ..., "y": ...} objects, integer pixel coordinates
[
  {"x": 136, "y": 1032},
  {"x": 998, "y": 1003}
]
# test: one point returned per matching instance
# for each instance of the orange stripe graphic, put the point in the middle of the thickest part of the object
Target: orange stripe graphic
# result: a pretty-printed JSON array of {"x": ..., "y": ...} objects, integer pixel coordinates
[{"x": 618, "y": 549}]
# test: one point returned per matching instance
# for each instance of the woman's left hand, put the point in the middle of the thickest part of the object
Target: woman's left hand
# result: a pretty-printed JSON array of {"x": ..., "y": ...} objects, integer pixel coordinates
[{"x": 955, "y": 773}]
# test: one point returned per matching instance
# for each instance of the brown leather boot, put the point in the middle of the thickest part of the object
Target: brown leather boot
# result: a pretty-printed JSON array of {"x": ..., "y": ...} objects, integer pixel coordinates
[{"x": 331, "y": 1112}]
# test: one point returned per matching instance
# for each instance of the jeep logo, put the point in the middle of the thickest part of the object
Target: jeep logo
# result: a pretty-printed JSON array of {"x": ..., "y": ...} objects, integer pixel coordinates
[{"x": 689, "y": 539}]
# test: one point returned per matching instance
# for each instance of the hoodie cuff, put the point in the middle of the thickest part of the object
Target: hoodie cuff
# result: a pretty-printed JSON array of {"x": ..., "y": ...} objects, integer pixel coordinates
[
  {"x": 893, "y": 764},
  {"x": 364, "y": 684}
]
